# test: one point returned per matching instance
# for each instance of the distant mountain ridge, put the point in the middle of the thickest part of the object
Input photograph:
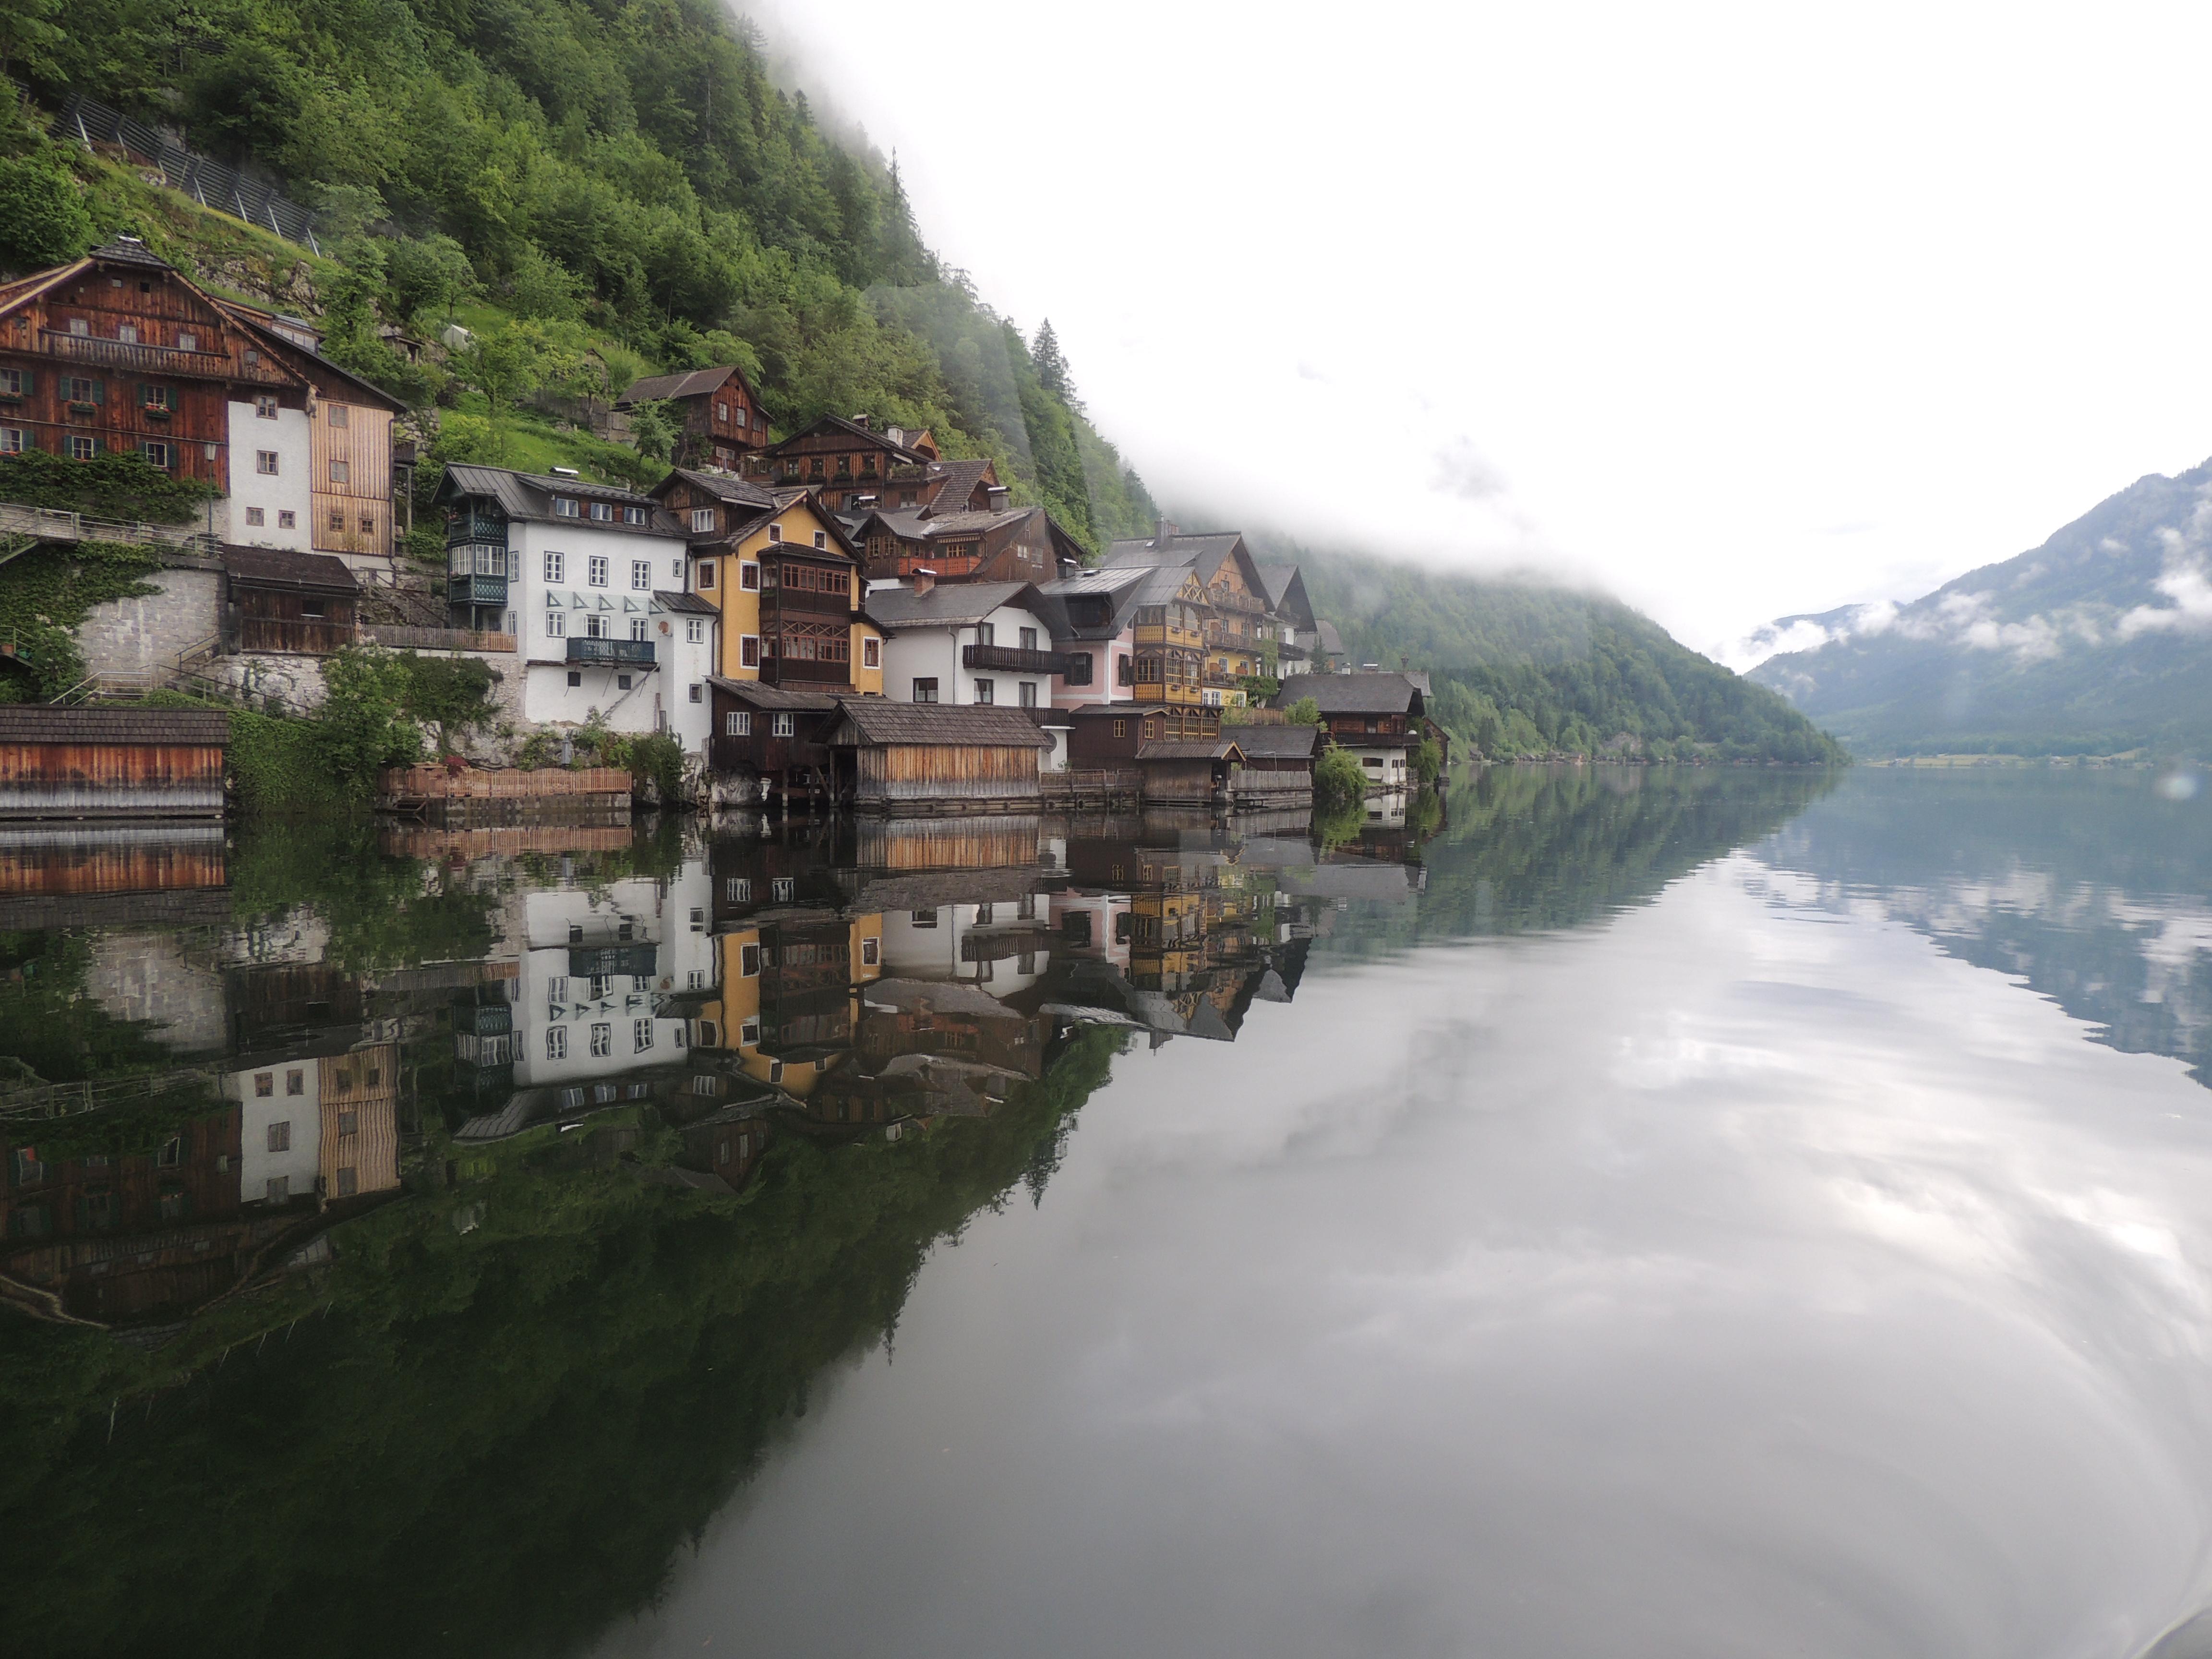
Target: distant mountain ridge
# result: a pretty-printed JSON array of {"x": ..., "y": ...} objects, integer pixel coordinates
[{"x": 2099, "y": 641}]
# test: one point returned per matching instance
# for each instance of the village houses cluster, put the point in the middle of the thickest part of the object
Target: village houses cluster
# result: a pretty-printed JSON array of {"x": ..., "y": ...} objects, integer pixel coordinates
[{"x": 840, "y": 615}]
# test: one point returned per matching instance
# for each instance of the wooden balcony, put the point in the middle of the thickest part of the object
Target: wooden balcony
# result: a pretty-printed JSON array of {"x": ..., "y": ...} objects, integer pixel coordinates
[
  {"x": 476, "y": 590},
  {"x": 152, "y": 359},
  {"x": 1190, "y": 639},
  {"x": 808, "y": 600},
  {"x": 802, "y": 671},
  {"x": 1012, "y": 659}
]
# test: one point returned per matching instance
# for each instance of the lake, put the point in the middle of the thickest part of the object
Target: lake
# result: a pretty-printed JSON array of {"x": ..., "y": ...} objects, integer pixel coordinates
[{"x": 1609, "y": 1211}]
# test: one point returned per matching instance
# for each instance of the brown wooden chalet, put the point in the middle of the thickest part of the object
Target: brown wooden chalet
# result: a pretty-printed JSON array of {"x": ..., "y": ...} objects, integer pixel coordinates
[
  {"x": 772, "y": 734},
  {"x": 936, "y": 758},
  {"x": 970, "y": 486},
  {"x": 288, "y": 602},
  {"x": 1020, "y": 546},
  {"x": 119, "y": 352},
  {"x": 843, "y": 460},
  {"x": 717, "y": 508},
  {"x": 1185, "y": 772},
  {"x": 723, "y": 420},
  {"x": 1229, "y": 591},
  {"x": 1108, "y": 735}
]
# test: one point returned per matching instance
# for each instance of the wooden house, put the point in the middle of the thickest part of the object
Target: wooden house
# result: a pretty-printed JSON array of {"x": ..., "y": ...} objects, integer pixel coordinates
[
  {"x": 964, "y": 486},
  {"x": 1107, "y": 736},
  {"x": 722, "y": 418},
  {"x": 924, "y": 759},
  {"x": 1200, "y": 772},
  {"x": 996, "y": 545},
  {"x": 1381, "y": 719},
  {"x": 112, "y": 762},
  {"x": 774, "y": 734},
  {"x": 285, "y": 602},
  {"x": 841, "y": 461},
  {"x": 1223, "y": 595},
  {"x": 119, "y": 352},
  {"x": 1289, "y": 625},
  {"x": 1277, "y": 766}
]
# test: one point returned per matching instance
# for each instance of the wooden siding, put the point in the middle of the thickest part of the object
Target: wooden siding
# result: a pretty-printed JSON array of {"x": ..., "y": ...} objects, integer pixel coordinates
[
  {"x": 119, "y": 778},
  {"x": 279, "y": 619},
  {"x": 360, "y": 1087},
  {"x": 363, "y": 446},
  {"x": 946, "y": 776},
  {"x": 123, "y": 866},
  {"x": 949, "y": 844},
  {"x": 433, "y": 782}
]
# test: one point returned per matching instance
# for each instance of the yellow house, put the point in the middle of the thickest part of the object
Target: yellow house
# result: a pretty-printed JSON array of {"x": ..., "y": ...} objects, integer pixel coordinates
[
  {"x": 733, "y": 1021},
  {"x": 787, "y": 582}
]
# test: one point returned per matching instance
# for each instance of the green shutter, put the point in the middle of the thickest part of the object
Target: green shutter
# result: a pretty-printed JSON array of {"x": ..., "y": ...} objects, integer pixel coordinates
[
  {"x": 30, "y": 381},
  {"x": 100, "y": 392}
]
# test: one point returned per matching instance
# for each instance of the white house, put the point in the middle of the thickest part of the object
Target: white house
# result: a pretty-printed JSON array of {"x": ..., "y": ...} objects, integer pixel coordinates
[
  {"x": 272, "y": 456},
  {"x": 281, "y": 1137},
  {"x": 1004, "y": 946},
  {"x": 601, "y": 963},
  {"x": 590, "y": 579},
  {"x": 970, "y": 643},
  {"x": 1093, "y": 616}
]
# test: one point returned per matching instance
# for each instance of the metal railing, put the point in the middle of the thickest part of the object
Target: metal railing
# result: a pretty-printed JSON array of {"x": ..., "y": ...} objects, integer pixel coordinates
[
  {"x": 1014, "y": 659},
  {"x": 51, "y": 524},
  {"x": 209, "y": 183},
  {"x": 617, "y": 651}
]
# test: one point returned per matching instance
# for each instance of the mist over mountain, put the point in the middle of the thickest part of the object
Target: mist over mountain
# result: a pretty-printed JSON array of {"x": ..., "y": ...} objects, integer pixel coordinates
[{"x": 2099, "y": 641}]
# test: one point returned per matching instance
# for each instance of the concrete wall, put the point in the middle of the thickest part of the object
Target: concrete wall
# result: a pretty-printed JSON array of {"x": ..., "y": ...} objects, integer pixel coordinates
[{"x": 138, "y": 635}]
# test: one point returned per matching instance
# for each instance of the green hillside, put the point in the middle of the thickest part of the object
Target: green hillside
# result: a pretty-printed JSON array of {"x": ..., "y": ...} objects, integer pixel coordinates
[
  {"x": 1524, "y": 669},
  {"x": 601, "y": 190}
]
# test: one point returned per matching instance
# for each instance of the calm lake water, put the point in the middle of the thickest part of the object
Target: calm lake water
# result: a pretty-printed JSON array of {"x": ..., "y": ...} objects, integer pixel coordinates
[{"x": 1619, "y": 1213}]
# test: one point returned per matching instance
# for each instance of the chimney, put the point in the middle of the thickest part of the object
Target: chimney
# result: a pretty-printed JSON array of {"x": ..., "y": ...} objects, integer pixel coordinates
[
  {"x": 863, "y": 422},
  {"x": 1164, "y": 530},
  {"x": 923, "y": 581},
  {"x": 998, "y": 494}
]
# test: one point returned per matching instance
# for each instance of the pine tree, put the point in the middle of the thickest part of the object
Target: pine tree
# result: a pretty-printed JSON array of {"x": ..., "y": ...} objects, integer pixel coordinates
[{"x": 1052, "y": 368}]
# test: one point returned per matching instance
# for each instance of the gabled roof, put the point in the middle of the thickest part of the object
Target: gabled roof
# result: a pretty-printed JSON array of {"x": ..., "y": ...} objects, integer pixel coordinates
[
  {"x": 687, "y": 383},
  {"x": 1326, "y": 640},
  {"x": 1285, "y": 589},
  {"x": 1102, "y": 599},
  {"x": 1205, "y": 551},
  {"x": 277, "y": 567},
  {"x": 956, "y": 480},
  {"x": 948, "y": 605},
  {"x": 876, "y": 720},
  {"x": 853, "y": 430},
  {"x": 724, "y": 487},
  {"x": 684, "y": 605},
  {"x": 529, "y": 496},
  {"x": 1171, "y": 748},
  {"x": 773, "y": 696},
  {"x": 319, "y": 367},
  {"x": 1284, "y": 742},
  {"x": 1353, "y": 693}
]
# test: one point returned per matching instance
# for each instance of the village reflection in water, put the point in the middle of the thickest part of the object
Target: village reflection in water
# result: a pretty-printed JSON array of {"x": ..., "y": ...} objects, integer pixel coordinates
[{"x": 826, "y": 979}]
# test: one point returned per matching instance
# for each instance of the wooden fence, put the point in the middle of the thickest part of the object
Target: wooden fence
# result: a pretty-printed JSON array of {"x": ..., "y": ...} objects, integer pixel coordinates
[
  {"x": 394, "y": 637},
  {"x": 410, "y": 785}
]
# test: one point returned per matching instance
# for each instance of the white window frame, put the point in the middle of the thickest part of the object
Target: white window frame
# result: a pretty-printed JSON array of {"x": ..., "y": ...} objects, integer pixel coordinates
[
  {"x": 557, "y": 567},
  {"x": 872, "y": 652},
  {"x": 749, "y": 651},
  {"x": 641, "y": 575},
  {"x": 564, "y": 506},
  {"x": 783, "y": 724},
  {"x": 603, "y": 1039},
  {"x": 556, "y": 1043},
  {"x": 595, "y": 570},
  {"x": 738, "y": 723},
  {"x": 702, "y": 520},
  {"x": 748, "y": 576},
  {"x": 265, "y": 463},
  {"x": 640, "y": 1036},
  {"x": 694, "y": 630}
]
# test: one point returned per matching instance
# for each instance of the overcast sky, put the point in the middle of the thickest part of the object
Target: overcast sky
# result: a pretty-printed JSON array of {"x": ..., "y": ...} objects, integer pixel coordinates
[{"x": 1736, "y": 310}]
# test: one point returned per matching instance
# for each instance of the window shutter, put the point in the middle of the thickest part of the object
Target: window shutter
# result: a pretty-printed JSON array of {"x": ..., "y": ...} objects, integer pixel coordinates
[
  {"x": 30, "y": 381},
  {"x": 100, "y": 392}
]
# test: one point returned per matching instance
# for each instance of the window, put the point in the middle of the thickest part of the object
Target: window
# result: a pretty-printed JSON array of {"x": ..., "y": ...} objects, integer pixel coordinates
[
  {"x": 575, "y": 677},
  {"x": 264, "y": 406},
  {"x": 11, "y": 440},
  {"x": 13, "y": 383},
  {"x": 349, "y": 1123},
  {"x": 596, "y": 568},
  {"x": 738, "y": 890},
  {"x": 341, "y": 471},
  {"x": 556, "y": 1043},
  {"x": 775, "y": 532},
  {"x": 694, "y": 633},
  {"x": 748, "y": 576},
  {"x": 702, "y": 520},
  {"x": 705, "y": 575},
  {"x": 640, "y": 626},
  {"x": 557, "y": 565},
  {"x": 338, "y": 517},
  {"x": 286, "y": 519},
  {"x": 557, "y": 987},
  {"x": 83, "y": 449},
  {"x": 603, "y": 512},
  {"x": 252, "y": 357},
  {"x": 1029, "y": 694},
  {"x": 748, "y": 650},
  {"x": 557, "y": 625},
  {"x": 783, "y": 889},
  {"x": 923, "y": 918},
  {"x": 986, "y": 691},
  {"x": 279, "y": 1189},
  {"x": 871, "y": 951},
  {"x": 749, "y": 1034},
  {"x": 188, "y": 343},
  {"x": 640, "y": 1036},
  {"x": 368, "y": 522},
  {"x": 698, "y": 692},
  {"x": 127, "y": 332},
  {"x": 338, "y": 415},
  {"x": 924, "y": 690},
  {"x": 1029, "y": 639},
  {"x": 265, "y": 462},
  {"x": 296, "y": 1082},
  {"x": 784, "y": 725},
  {"x": 78, "y": 326},
  {"x": 257, "y": 515},
  {"x": 1078, "y": 671},
  {"x": 155, "y": 397},
  {"x": 158, "y": 454},
  {"x": 1125, "y": 673},
  {"x": 721, "y": 411},
  {"x": 349, "y": 1182},
  {"x": 603, "y": 1040},
  {"x": 641, "y": 575},
  {"x": 264, "y": 1084},
  {"x": 280, "y": 1136},
  {"x": 986, "y": 634},
  {"x": 749, "y": 961},
  {"x": 1120, "y": 728},
  {"x": 622, "y": 681},
  {"x": 822, "y": 538},
  {"x": 738, "y": 723},
  {"x": 564, "y": 509},
  {"x": 871, "y": 653}
]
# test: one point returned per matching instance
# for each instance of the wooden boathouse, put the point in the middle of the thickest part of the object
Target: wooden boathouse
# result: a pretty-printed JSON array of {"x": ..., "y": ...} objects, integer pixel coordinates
[
  {"x": 112, "y": 762},
  {"x": 919, "y": 759}
]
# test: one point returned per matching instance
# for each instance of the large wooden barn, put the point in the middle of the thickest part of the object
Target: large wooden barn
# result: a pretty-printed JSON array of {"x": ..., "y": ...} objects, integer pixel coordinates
[
  {"x": 112, "y": 762},
  {"x": 921, "y": 759}
]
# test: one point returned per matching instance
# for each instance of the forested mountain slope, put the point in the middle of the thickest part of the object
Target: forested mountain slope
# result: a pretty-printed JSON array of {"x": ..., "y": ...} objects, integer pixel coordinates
[
  {"x": 2099, "y": 641},
  {"x": 1520, "y": 667},
  {"x": 624, "y": 178}
]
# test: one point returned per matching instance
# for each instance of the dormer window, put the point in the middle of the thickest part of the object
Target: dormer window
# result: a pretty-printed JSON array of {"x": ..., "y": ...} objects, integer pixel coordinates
[
  {"x": 563, "y": 508},
  {"x": 633, "y": 515},
  {"x": 603, "y": 512}
]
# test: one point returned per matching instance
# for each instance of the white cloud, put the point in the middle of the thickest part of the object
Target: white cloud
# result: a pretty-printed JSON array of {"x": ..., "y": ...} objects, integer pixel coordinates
[{"x": 2186, "y": 584}]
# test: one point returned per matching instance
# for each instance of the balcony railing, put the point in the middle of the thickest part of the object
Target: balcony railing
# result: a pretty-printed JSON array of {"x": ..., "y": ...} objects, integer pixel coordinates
[
  {"x": 1157, "y": 634},
  {"x": 1222, "y": 599},
  {"x": 469, "y": 525},
  {"x": 639, "y": 961},
  {"x": 477, "y": 590},
  {"x": 1013, "y": 659},
  {"x": 129, "y": 354},
  {"x": 794, "y": 671},
  {"x": 626, "y": 652},
  {"x": 810, "y": 600}
]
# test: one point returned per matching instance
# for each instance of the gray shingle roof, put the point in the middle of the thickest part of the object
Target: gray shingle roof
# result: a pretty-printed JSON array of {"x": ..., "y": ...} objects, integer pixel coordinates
[
  {"x": 1327, "y": 639},
  {"x": 691, "y": 383},
  {"x": 758, "y": 696},
  {"x": 1277, "y": 742},
  {"x": 960, "y": 479},
  {"x": 728, "y": 487},
  {"x": 42, "y": 723},
  {"x": 879, "y": 721},
  {"x": 1170, "y": 749},
  {"x": 277, "y": 567},
  {"x": 948, "y": 605},
  {"x": 1353, "y": 694},
  {"x": 529, "y": 496},
  {"x": 686, "y": 604}
]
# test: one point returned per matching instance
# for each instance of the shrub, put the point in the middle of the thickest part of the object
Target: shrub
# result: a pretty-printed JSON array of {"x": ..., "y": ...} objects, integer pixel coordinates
[
  {"x": 1338, "y": 777},
  {"x": 1304, "y": 711},
  {"x": 115, "y": 485},
  {"x": 1428, "y": 762},
  {"x": 43, "y": 220}
]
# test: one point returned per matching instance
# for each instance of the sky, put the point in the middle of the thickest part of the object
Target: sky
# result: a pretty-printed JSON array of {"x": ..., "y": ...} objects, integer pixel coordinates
[{"x": 1735, "y": 311}]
